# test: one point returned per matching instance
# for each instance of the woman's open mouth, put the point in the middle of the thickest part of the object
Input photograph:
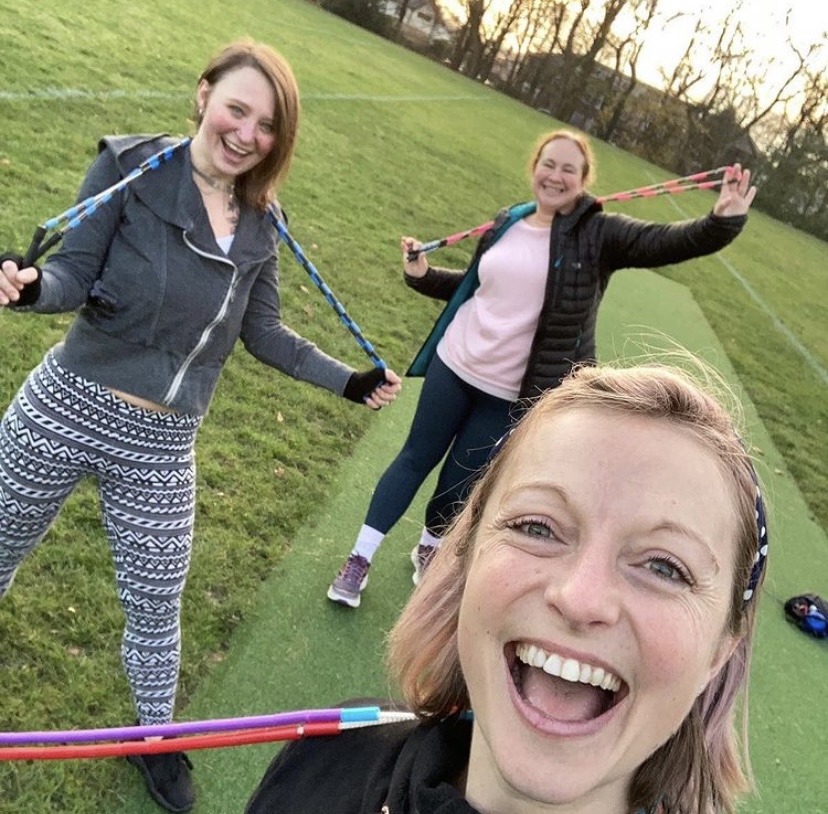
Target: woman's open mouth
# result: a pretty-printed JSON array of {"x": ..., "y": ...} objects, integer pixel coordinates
[{"x": 563, "y": 689}]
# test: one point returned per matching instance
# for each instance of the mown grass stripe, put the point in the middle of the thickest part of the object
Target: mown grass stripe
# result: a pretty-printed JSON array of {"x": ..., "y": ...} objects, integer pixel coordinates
[{"x": 775, "y": 321}]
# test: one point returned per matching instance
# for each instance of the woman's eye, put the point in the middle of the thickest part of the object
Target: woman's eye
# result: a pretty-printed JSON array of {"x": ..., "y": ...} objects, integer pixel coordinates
[
  {"x": 534, "y": 528},
  {"x": 236, "y": 110},
  {"x": 267, "y": 129},
  {"x": 667, "y": 569}
]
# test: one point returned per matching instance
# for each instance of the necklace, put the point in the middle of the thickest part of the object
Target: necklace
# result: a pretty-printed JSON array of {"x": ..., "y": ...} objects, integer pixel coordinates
[
  {"x": 227, "y": 189},
  {"x": 231, "y": 205}
]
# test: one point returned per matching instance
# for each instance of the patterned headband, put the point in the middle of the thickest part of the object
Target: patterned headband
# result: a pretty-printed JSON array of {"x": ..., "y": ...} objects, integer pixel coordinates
[{"x": 761, "y": 555}]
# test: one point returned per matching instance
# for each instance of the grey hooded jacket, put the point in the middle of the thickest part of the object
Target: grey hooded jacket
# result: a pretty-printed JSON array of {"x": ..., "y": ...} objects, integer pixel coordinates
[{"x": 161, "y": 306}]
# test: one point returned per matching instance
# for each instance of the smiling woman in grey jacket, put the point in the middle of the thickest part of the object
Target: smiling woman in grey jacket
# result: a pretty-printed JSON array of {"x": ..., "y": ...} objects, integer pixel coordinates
[{"x": 167, "y": 276}]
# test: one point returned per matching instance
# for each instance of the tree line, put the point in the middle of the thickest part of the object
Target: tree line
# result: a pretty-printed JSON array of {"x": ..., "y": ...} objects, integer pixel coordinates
[{"x": 724, "y": 97}]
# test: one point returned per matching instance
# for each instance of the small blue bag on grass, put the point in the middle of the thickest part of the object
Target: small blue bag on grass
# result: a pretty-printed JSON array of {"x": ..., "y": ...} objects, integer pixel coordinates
[{"x": 809, "y": 613}]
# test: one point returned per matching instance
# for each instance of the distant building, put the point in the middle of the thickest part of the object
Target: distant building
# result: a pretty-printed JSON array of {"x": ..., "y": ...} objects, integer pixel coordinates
[{"x": 422, "y": 22}]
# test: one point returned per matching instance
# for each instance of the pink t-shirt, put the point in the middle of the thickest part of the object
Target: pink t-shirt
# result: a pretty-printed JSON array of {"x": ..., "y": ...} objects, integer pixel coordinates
[{"x": 487, "y": 343}]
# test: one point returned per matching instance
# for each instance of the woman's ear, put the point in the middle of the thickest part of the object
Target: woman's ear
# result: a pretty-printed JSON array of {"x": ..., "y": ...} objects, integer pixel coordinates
[
  {"x": 727, "y": 647},
  {"x": 202, "y": 95}
]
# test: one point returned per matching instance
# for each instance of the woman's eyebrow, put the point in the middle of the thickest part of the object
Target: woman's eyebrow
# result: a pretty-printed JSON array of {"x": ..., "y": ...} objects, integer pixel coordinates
[{"x": 675, "y": 527}]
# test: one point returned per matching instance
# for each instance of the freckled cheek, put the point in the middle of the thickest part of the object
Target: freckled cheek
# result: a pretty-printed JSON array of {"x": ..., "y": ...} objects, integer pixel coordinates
[
  {"x": 498, "y": 588},
  {"x": 672, "y": 652},
  {"x": 483, "y": 597}
]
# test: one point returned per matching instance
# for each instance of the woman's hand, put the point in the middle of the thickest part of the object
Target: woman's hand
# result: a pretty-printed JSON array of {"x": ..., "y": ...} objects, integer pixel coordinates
[
  {"x": 376, "y": 387},
  {"x": 383, "y": 395},
  {"x": 13, "y": 278},
  {"x": 736, "y": 194},
  {"x": 417, "y": 267}
]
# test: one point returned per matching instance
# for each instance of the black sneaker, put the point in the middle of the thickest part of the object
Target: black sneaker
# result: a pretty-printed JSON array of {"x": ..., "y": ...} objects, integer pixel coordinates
[{"x": 167, "y": 775}]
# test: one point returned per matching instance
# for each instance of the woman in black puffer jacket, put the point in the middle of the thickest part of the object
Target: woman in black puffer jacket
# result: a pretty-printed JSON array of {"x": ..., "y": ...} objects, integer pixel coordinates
[{"x": 516, "y": 322}]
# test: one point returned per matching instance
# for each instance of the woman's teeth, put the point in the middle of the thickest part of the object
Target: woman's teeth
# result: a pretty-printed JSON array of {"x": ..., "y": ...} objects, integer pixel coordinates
[{"x": 567, "y": 669}]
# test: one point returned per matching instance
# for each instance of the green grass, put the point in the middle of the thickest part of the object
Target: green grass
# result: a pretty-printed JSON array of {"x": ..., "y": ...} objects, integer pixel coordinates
[
  {"x": 297, "y": 650},
  {"x": 371, "y": 166}
]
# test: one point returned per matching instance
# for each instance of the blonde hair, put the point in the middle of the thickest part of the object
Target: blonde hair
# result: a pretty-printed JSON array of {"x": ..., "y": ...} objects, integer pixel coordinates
[
  {"x": 257, "y": 186},
  {"x": 703, "y": 766},
  {"x": 579, "y": 140}
]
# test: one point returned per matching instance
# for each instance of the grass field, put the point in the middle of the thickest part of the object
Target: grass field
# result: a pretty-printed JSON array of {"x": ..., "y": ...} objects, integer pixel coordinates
[
  {"x": 293, "y": 633},
  {"x": 389, "y": 144}
]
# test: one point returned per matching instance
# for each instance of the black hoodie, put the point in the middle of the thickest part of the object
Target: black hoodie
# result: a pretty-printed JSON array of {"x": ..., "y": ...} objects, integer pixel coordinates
[{"x": 399, "y": 768}]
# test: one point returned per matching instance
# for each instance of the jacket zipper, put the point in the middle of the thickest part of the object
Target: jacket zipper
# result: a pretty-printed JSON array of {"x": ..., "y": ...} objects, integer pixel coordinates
[
  {"x": 556, "y": 243},
  {"x": 557, "y": 268},
  {"x": 177, "y": 381}
]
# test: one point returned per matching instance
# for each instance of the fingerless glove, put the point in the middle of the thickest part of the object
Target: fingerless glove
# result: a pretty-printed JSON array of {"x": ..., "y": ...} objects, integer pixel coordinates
[
  {"x": 361, "y": 385},
  {"x": 31, "y": 291}
]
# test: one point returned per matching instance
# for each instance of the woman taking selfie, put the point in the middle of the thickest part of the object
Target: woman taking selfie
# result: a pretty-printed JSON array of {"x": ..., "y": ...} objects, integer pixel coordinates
[{"x": 580, "y": 640}]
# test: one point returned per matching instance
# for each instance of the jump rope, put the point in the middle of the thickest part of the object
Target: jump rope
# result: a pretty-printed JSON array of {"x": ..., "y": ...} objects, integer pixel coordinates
[
  {"x": 59, "y": 225},
  {"x": 211, "y": 734},
  {"x": 205, "y": 734},
  {"x": 709, "y": 179},
  {"x": 208, "y": 734}
]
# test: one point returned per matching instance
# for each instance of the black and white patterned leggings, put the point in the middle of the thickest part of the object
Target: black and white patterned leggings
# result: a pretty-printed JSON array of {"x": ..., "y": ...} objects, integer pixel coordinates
[{"x": 61, "y": 428}]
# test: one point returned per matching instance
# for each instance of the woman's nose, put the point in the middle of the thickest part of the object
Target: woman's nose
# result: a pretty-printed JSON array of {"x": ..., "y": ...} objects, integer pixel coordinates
[
  {"x": 247, "y": 130},
  {"x": 583, "y": 587}
]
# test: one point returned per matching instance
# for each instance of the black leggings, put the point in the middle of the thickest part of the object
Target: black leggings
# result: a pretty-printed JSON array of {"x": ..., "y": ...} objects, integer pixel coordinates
[{"x": 452, "y": 416}]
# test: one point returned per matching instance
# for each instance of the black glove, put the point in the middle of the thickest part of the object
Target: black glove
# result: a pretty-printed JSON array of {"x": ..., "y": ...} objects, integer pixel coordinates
[
  {"x": 361, "y": 385},
  {"x": 31, "y": 291}
]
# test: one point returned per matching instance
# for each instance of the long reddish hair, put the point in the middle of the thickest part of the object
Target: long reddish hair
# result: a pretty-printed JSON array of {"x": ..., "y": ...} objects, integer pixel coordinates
[{"x": 257, "y": 186}]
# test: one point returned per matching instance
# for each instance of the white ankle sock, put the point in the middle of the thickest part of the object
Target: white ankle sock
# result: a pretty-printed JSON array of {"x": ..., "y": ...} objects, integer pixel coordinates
[
  {"x": 368, "y": 541},
  {"x": 429, "y": 540}
]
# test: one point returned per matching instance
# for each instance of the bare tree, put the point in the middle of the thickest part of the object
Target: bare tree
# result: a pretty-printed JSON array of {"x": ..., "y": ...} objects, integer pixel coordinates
[
  {"x": 469, "y": 42},
  {"x": 746, "y": 87},
  {"x": 798, "y": 168},
  {"x": 531, "y": 34},
  {"x": 500, "y": 26},
  {"x": 586, "y": 41},
  {"x": 582, "y": 56},
  {"x": 687, "y": 73},
  {"x": 570, "y": 40},
  {"x": 722, "y": 84},
  {"x": 626, "y": 51},
  {"x": 538, "y": 67},
  {"x": 700, "y": 83}
]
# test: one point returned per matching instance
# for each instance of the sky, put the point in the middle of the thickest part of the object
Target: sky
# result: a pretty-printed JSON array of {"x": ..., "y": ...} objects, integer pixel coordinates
[{"x": 764, "y": 24}]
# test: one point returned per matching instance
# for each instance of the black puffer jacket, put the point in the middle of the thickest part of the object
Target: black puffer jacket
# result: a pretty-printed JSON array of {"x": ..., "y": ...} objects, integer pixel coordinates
[{"x": 586, "y": 247}]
